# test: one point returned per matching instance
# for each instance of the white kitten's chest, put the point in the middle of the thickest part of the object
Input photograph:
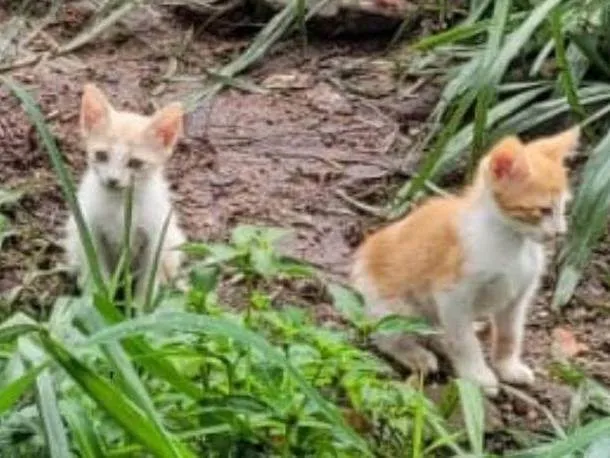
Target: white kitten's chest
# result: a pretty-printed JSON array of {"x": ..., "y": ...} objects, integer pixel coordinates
[
  {"x": 105, "y": 213},
  {"x": 500, "y": 265}
]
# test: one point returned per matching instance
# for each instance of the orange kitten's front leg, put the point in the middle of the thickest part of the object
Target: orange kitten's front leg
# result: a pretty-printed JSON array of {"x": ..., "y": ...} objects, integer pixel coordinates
[
  {"x": 461, "y": 343},
  {"x": 508, "y": 327}
]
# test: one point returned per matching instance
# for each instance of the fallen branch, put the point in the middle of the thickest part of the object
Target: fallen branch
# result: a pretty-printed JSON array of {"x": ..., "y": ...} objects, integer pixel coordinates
[{"x": 369, "y": 209}]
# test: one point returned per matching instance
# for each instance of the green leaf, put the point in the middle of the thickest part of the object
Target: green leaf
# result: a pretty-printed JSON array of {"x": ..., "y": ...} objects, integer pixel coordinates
[
  {"x": 9, "y": 198},
  {"x": 599, "y": 448},
  {"x": 474, "y": 414},
  {"x": 201, "y": 324},
  {"x": 263, "y": 262},
  {"x": 215, "y": 253},
  {"x": 244, "y": 235},
  {"x": 348, "y": 303},
  {"x": 403, "y": 324}
]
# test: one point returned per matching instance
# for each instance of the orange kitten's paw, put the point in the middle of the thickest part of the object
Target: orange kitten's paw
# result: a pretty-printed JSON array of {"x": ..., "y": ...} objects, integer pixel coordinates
[
  {"x": 422, "y": 360},
  {"x": 515, "y": 372}
]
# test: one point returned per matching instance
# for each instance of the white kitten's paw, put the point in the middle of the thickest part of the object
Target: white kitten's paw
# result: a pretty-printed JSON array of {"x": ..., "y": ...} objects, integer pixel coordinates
[
  {"x": 514, "y": 372},
  {"x": 485, "y": 378}
]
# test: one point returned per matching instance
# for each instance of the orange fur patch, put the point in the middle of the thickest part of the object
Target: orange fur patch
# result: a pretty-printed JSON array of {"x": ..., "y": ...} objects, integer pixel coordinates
[{"x": 418, "y": 254}]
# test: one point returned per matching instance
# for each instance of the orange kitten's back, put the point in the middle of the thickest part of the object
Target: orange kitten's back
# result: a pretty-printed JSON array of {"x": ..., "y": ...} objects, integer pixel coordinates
[{"x": 414, "y": 255}]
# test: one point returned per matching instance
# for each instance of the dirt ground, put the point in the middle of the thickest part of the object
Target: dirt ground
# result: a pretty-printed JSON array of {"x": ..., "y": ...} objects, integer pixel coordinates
[{"x": 333, "y": 121}]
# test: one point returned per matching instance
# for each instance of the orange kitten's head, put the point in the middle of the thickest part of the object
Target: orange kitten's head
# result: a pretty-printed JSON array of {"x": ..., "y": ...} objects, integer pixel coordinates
[
  {"x": 529, "y": 182},
  {"x": 121, "y": 145}
]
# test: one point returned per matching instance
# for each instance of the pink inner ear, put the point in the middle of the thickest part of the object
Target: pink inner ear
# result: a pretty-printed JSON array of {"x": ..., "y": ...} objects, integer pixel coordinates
[
  {"x": 166, "y": 132},
  {"x": 168, "y": 126},
  {"x": 92, "y": 115},
  {"x": 502, "y": 165},
  {"x": 93, "y": 110}
]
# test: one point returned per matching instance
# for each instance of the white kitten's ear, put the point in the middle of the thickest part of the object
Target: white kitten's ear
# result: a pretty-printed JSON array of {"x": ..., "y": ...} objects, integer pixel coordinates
[
  {"x": 507, "y": 161},
  {"x": 166, "y": 126},
  {"x": 560, "y": 146},
  {"x": 95, "y": 109}
]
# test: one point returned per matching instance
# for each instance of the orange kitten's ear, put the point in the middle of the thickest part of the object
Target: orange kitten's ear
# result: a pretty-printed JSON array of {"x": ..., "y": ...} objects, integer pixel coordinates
[
  {"x": 166, "y": 126},
  {"x": 507, "y": 163},
  {"x": 558, "y": 147},
  {"x": 95, "y": 109}
]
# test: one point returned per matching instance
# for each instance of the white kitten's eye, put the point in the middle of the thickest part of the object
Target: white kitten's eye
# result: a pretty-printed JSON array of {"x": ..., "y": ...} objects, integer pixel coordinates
[
  {"x": 101, "y": 156},
  {"x": 135, "y": 163}
]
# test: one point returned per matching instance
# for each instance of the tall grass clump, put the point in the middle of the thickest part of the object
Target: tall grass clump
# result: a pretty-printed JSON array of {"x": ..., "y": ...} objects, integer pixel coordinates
[{"x": 523, "y": 67}]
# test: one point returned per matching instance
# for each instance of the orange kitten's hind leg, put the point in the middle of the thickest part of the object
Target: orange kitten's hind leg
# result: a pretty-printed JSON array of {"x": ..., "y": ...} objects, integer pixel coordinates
[{"x": 407, "y": 352}]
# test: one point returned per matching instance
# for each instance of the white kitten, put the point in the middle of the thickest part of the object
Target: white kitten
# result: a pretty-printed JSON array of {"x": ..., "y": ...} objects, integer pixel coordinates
[{"x": 124, "y": 147}]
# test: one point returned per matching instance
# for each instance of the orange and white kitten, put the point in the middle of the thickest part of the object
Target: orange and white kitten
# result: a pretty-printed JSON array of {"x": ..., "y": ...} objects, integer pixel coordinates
[
  {"x": 456, "y": 259},
  {"x": 124, "y": 147}
]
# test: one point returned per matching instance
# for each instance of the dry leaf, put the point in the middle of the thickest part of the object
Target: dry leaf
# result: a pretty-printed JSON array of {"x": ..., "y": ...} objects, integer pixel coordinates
[{"x": 566, "y": 344}]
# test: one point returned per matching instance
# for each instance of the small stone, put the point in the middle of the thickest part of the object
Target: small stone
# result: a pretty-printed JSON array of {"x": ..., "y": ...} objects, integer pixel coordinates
[
  {"x": 532, "y": 415},
  {"x": 521, "y": 407}
]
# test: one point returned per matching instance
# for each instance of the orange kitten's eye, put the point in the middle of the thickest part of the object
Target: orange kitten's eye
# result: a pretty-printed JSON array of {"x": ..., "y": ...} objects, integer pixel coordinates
[
  {"x": 546, "y": 211},
  {"x": 101, "y": 156},
  {"x": 135, "y": 164}
]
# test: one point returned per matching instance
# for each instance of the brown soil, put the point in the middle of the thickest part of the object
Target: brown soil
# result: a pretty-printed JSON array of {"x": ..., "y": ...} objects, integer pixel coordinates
[{"x": 334, "y": 121}]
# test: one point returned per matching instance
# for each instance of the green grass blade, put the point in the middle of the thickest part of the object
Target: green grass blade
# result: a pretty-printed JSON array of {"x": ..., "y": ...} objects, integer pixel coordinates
[
  {"x": 474, "y": 414},
  {"x": 12, "y": 391},
  {"x": 269, "y": 35},
  {"x": 126, "y": 256},
  {"x": 577, "y": 441},
  {"x": 83, "y": 432},
  {"x": 127, "y": 375},
  {"x": 114, "y": 402},
  {"x": 152, "y": 280},
  {"x": 567, "y": 81},
  {"x": 137, "y": 348},
  {"x": 587, "y": 221},
  {"x": 541, "y": 112},
  {"x": 55, "y": 433},
  {"x": 201, "y": 324},
  {"x": 435, "y": 156},
  {"x": 587, "y": 43},
  {"x": 453, "y": 35},
  {"x": 515, "y": 42},
  {"x": 67, "y": 185}
]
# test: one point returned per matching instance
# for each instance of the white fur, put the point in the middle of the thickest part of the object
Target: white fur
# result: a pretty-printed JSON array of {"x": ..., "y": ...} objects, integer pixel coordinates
[
  {"x": 502, "y": 271},
  {"x": 103, "y": 210}
]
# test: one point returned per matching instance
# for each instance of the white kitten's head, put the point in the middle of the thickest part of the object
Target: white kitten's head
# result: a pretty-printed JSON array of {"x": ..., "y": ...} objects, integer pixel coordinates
[{"x": 121, "y": 145}]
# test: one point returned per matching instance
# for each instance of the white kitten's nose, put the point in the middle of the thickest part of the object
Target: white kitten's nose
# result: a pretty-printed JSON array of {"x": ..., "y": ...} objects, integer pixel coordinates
[{"x": 112, "y": 183}]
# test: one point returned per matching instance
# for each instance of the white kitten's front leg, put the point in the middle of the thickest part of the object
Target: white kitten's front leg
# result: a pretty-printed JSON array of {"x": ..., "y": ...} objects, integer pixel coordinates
[
  {"x": 168, "y": 264},
  {"x": 508, "y": 327},
  {"x": 77, "y": 258},
  {"x": 460, "y": 341}
]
